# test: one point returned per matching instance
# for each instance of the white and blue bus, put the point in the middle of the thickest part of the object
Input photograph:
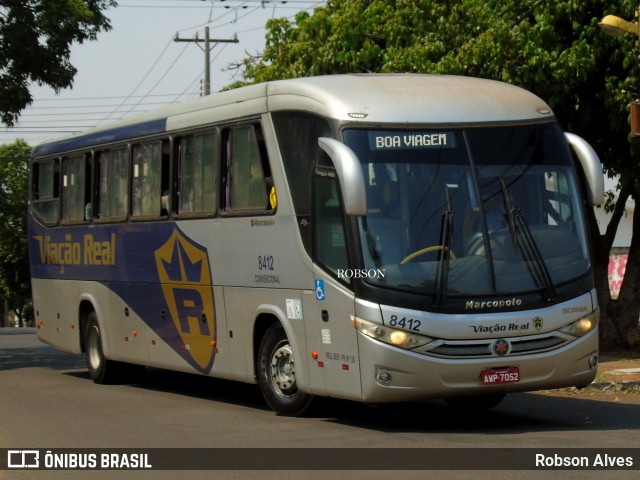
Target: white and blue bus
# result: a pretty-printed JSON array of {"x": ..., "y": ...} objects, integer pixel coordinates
[{"x": 378, "y": 238}]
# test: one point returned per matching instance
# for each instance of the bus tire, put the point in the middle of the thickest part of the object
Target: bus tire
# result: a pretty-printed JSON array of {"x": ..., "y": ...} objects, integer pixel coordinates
[
  {"x": 101, "y": 370},
  {"x": 277, "y": 376}
]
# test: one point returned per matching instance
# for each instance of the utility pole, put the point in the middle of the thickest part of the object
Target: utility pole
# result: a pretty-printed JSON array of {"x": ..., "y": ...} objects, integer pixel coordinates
[{"x": 207, "y": 49}]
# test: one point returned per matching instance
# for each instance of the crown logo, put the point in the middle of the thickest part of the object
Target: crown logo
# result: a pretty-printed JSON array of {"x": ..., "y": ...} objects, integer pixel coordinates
[
  {"x": 185, "y": 276},
  {"x": 179, "y": 261}
]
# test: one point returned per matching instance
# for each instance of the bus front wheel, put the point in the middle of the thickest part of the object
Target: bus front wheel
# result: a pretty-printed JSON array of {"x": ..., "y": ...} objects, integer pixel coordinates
[
  {"x": 101, "y": 369},
  {"x": 277, "y": 374}
]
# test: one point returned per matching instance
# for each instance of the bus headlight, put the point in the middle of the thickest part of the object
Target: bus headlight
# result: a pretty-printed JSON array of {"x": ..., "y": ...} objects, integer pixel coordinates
[
  {"x": 392, "y": 336},
  {"x": 583, "y": 326}
]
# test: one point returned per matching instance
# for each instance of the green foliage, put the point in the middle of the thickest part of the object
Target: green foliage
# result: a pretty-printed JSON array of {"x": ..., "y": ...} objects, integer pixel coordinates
[
  {"x": 35, "y": 42},
  {"x": 14, "y": 257},
  {"x": 554, "y": 49}
]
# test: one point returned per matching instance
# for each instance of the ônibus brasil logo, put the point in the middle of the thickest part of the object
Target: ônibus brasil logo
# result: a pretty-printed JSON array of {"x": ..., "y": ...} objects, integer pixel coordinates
[{"x": 185, "y": 275}]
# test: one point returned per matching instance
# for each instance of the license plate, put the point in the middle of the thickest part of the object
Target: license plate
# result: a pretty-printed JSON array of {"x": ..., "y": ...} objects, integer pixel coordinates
[{"x": 496, "y": 376}]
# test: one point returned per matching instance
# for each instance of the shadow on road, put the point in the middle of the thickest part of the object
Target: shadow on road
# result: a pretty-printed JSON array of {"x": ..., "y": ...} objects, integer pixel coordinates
[
  {"x": 517, "y": 414},
  {"x": 39, "y": 357},
  {"x": 198, "y": 386},
  {"x": 20, "y": 348}
]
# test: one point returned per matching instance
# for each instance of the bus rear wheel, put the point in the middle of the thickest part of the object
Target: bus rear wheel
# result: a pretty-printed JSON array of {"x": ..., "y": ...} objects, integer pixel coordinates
[{"x": 277, "y": 374}]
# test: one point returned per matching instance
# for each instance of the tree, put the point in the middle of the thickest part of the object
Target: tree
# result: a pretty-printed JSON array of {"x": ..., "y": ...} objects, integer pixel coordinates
[
  {"x": 15, "y": 284},
  {"x": 35, "y": 43},
  {"x": 554, "y": 49}
]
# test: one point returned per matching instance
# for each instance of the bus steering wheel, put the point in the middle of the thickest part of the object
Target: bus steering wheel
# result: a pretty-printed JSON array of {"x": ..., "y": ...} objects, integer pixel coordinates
[{"x": 433, "y": 248}]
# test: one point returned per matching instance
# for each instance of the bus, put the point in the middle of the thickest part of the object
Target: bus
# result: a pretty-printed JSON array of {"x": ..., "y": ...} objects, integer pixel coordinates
[{"x": 369, "y": 237}]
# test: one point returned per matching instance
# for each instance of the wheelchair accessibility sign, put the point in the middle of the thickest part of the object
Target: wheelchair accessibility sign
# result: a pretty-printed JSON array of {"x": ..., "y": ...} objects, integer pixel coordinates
[{"x": 320, "y": 290}]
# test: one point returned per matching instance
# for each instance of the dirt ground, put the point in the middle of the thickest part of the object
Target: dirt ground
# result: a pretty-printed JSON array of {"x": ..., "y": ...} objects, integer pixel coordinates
[{"x": 617, "y": 380}]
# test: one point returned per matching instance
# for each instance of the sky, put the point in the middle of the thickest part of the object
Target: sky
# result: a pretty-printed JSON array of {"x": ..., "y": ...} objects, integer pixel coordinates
[{"x": 137, "y": 65}]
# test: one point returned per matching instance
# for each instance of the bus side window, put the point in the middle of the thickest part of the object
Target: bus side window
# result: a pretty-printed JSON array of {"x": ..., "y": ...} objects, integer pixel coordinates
[
  {"x": 246, "y": 170},
  {"x": 76, "y": 187},
  {"x": 198, "y": 167},
  {"x": 297, "y": 134},
  {"x": 45, "y": 193},
  {"x": 150, "y": 179},
  {"x": 112, "y": 191}
]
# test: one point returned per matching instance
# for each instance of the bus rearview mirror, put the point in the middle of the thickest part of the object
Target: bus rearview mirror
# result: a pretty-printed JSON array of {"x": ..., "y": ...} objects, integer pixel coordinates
[
  {"x": 591, "y": 168},
  {"x": 349, "y": 173}
]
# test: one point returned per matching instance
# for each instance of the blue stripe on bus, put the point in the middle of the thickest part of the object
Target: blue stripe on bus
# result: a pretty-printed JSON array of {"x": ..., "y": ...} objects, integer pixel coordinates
[
  {"x": 88, "y": 140},
  {"x": 153, "y": 267}
]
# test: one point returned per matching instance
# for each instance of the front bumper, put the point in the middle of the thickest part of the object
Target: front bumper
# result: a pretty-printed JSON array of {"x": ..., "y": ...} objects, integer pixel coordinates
[{"x": 390, "y": 374}]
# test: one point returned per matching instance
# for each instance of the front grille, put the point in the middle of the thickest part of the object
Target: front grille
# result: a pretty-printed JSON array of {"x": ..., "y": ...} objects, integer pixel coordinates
[
  {"x": 482, "y": 348},
  {"x": 462, "y": 350},
  {"x": 528, "y": 346}
]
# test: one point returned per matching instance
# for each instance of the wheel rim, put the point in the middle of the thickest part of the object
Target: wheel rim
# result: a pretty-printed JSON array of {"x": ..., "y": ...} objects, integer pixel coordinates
[
  {"x": 95, "y": 359},
  {"x": 283, "y": 373}
]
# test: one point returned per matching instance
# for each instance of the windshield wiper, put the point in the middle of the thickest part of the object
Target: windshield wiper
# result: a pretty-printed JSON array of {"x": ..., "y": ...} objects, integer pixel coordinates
[
  {"x": 446, "y": 234},
  {"x": 509, "y": 210},
  {"x": 524, "y": 241},
  {"x": 532, "y": 253}
]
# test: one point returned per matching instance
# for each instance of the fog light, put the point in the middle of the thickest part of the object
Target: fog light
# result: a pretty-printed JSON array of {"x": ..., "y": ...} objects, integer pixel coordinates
[
  {"x": 383, "y": 377},
  {"x": 593, "y": 362}
]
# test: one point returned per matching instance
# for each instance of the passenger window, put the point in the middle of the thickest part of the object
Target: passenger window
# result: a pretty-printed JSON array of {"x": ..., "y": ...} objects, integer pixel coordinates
[
  {"x": 76, "y": 188},
  {"x": 45, "y": 190},
  {"x": 113, "y": 184},
  {"x": 147, "y": 180},
  {"x": 248, "y": 185},
  {"x": 198, "y": 170},
  {"x": 330, "y": 244}
]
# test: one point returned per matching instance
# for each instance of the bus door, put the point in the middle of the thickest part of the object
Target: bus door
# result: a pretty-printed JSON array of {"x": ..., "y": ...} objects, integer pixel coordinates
[{"x": 331, "y": 336}]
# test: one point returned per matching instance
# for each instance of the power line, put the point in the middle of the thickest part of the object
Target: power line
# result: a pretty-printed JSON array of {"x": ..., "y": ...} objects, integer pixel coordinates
[
  {"x": 92, "y": 112},
  {"x": 60, "y": 115},
  {"x": 161, "y": 78},
  {"x": 290, "y": 4},
  {"x": 57, "y": 99},
  {"x": 36, "y": 128},
  {"x": 141, "y": 81}
]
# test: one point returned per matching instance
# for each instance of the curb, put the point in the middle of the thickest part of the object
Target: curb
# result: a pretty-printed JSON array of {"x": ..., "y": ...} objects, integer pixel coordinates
[
  {"x": 628, "y": 386},
  {"x": 625, "y": 387}
]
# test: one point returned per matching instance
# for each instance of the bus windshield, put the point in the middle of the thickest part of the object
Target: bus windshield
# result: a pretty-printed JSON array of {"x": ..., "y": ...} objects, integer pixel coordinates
[{"x": 476, "y": 211}]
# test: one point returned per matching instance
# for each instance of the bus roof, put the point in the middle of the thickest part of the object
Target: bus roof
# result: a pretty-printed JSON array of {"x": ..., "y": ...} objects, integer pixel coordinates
[{"x": 370, "y": 98}]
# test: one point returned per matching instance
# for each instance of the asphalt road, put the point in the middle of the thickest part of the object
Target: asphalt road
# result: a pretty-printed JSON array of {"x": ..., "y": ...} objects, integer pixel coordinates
[{"x": 48, "y": 402}]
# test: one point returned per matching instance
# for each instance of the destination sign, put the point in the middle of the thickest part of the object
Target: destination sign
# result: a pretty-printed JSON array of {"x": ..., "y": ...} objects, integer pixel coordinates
[{"x": 398, "y": 140}]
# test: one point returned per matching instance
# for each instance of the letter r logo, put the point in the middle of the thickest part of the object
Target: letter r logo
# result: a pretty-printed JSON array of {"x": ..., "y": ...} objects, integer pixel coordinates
[
  {"x": 185, "y": 275},
  {"x": 191, "y": 310}
]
